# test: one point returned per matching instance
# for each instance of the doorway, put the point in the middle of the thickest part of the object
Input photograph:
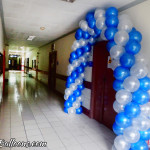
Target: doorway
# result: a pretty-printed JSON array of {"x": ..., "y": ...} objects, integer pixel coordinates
[
  {"x": 103, "y": 94},
  {"x": 52, "y": 70}
]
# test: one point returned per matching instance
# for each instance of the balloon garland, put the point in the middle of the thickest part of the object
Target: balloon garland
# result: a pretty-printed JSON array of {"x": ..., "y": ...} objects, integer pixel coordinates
[{"x": 132, "y": 124}]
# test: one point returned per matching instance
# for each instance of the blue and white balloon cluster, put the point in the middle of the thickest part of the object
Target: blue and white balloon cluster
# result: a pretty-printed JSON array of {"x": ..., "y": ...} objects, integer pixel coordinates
[{"x": 132, "y": 124}]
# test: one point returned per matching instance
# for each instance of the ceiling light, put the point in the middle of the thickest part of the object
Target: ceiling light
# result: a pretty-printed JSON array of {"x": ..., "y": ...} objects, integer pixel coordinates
[
  {"x": 30, "y": 38},
  {"x": 42, "y": 28},
  {"x": 70, "y": 1}
]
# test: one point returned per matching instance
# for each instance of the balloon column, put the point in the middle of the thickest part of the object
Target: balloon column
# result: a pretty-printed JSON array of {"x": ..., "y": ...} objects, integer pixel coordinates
[{"x": 132, "y": 124}]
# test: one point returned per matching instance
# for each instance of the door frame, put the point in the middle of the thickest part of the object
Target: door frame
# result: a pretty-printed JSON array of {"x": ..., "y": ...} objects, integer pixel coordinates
[
  {"x": 93, "y": 89},
  {"x": 49, "y": 74}
]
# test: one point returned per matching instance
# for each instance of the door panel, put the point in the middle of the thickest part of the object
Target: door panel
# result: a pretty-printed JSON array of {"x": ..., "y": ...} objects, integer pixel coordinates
[
  {"x": 52, "y": 70},
  {"x": 103, "y": 94}
]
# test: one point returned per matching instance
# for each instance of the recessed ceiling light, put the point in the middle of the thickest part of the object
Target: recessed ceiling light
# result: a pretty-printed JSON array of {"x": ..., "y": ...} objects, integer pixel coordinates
[
  {"x": 42, "y": 28},
  {"x": 30, "y": 38},
  {"x": 70, "y": 1}
]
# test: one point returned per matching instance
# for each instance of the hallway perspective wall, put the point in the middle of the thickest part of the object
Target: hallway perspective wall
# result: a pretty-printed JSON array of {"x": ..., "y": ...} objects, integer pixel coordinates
[{"x": 1, "y": 50}]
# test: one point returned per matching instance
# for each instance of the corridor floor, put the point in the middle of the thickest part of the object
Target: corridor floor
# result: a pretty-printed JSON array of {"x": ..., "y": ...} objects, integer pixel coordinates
[{"x": 29, "y": 112}]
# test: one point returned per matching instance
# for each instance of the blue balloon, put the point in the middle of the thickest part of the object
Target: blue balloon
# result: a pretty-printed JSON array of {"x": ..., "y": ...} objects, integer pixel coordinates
[
  {"x": 68, "y": 104},
  {"x": 109, "y": 45},
  {"x": 90, "y": 63},
  {"x": 86, "y": 35},
  {"x": 132, "y": 110},
  {"x": 80, "y": 69},
  {"x": 81, "y": 87},
  {"x": 87, "y": 48},
  {"x": 117, "y": 129},
  {"x": 120, "y": 73},
  {"x": 140, "y": 145},
  {"x": 79, "y": 110},
  {"x": 133, "y": 47},
  {"x": 70, "y": 60},
  {"x": 122, "y": 120},
  {"x": 72, "y": 98},
  {"x": 145, "y": 135},
  {"x": 65, "y": 110},
  {"x": 73, "y": 55},
  {"x": 78, "y": 34},
  {"x": 141, "y": 97},
  {"x": 67, "y": 85},
  {"x": 77, "y": 93},
  {"x": 97, "y": 32},
  {"x": 117, "y": 85},
  {"x": 111, "y": 11},
  {"x": 70, "y": 80},
  {"x": 145, "y": 83},
  {"x": 79, "y": 52},
  {"x": 89, "y": 15},
  {"x": 110, "y": 33},
  {"x": 74, "y": 74},
  {"x": 127, "y": 60},
  {"x": 112, "y": 21},
  {"x": 135, "y": 35},
  {"x": 84, "y": 64},
  {"x": 92, "y": 23}
]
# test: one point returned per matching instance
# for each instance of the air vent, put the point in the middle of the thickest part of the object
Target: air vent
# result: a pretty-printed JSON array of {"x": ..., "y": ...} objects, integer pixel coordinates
[{"x": 70, "y": 1}]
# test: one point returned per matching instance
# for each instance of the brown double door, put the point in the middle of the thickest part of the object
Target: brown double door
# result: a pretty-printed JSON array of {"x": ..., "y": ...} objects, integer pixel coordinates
[
  {"x": 52, "y": 70},
  {"x": 103, "y": 94}
]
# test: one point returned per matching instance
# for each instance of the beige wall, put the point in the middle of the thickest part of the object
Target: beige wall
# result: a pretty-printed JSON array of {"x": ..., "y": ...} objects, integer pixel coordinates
[{"x": 1, "y": 36}]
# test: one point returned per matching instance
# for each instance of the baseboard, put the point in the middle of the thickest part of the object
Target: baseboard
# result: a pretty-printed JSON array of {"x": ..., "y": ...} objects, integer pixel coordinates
[{"x": 86, "y": 111}]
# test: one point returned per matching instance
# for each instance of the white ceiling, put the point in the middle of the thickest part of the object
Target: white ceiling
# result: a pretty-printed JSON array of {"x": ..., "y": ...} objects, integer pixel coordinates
[{"x": 25, "y": 17}]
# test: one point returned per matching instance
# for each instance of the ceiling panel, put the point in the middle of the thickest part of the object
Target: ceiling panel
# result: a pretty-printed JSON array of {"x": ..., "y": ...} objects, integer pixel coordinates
[{"x": 25, "y": 17}]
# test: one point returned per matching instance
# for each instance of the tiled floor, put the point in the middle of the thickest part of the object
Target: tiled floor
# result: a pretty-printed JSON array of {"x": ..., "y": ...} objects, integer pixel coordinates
[{"x": 30, "y": 112}]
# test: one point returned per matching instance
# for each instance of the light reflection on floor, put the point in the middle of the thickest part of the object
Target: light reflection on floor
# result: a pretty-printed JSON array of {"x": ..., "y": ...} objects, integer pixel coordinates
[{"x": 30, "y": 112}]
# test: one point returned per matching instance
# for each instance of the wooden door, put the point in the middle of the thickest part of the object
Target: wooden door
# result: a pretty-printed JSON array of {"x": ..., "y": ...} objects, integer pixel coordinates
[
  {"x": 103, "y": 94},
  {"x": 52, "y": 70}
]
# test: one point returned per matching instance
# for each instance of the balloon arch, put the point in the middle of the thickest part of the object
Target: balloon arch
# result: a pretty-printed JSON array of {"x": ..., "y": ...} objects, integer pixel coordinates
[{"x": 132, "y": 124}]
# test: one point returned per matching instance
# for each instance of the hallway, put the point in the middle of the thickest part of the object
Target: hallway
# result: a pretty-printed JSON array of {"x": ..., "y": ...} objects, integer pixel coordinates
[{"x": 30, "y": 112}]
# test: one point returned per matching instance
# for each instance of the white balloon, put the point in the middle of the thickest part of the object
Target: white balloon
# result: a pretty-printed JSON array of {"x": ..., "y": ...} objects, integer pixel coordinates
[
  {"x": 75, "y": 63},
  {"x": 73, "y": 87},
  {"x": 76, "y": 104},
  {"x": 82, "y": 42},
  {"x": 100, "y": 23},
  {"x": 82, "y": 75},
  {"x": 140, "y": 58},
  {"x": 115, "y": 63},
  {"x": 83, "y": 25},
  {"x": 82, "y": 59},
  {"x": 118, "y": 107},
  {"x": 116, "y": 51},
  {"x": 99, "y": 13},
  {"x": 71, "y": 110},
  {"x": 73, "y": 48},
  {"x": 90, "y": 31},
  {"x": 131, "y": 84},
  {"x": 66, "y": 97},
  {"x": 79, "y": 98},
  {"x": 70, "y": 68},
  {"x": 123, "y": 97},
  {"x": 145, "y": 109},
  {"x": 79, "y": 81},
  {"x": 141, "y": 123},
  {"x": 76, "y": 44},
  {"x": 68, "y": 91},
  {"x": 125, "y": 25},
  {"x": 139, "y": 70},
  {"x": 121, "y": 38},
  {"x": 131, "y": 135},
  {"x": 91, "y": 40},
  {"x": 121, "y": 144},
  {"x": 103, "y": 34}
]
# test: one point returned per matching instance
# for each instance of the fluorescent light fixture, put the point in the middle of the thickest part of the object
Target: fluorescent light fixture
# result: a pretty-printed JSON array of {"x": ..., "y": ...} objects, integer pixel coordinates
[
  {"x": 70, "y": 1},
  {"x": 30, "y": 38}
]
